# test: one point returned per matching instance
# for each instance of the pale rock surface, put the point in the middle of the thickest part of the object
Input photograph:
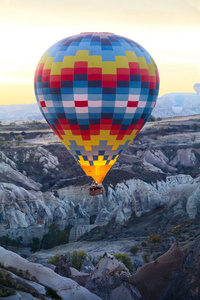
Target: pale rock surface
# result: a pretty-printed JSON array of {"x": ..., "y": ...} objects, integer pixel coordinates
[
  {"x": 64, "y": 287},
  {"x": 9, "y": 173},
  {"x": 193, "y": 203},
  {"x": 111, "y": 280},
  {"x": 20, "y": 296},
  {"x": 41, "y": 155},
  {"x": 8, "y": 161},
  {"x": 27, "y": 212},
  {"x": 184, "y": 157},
  {"x": 79, "y": 230},
  {"x": 87, "y": 266},
  {"x": 157, "y": 159}
]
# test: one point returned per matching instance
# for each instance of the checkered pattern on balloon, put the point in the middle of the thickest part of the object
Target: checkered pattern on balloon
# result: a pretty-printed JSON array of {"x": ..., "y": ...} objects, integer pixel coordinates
[{"x": 96, "y": 91}]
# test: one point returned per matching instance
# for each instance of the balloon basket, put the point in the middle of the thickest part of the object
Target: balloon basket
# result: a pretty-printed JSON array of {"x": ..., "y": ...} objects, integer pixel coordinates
[{"x": 96, "y": 189}]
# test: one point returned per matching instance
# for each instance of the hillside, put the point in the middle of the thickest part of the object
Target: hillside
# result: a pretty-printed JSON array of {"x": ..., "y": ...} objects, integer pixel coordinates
[
  {"x": 158, "y": 173},
  {"x": 151, "y": 195}
]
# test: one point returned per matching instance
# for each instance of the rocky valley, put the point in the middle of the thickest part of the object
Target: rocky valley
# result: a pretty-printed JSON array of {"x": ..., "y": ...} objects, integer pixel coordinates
[{"x": 151, "y": 196}]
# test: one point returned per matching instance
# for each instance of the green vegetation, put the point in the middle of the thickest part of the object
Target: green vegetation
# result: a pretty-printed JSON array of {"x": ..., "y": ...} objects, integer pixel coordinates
[
  {"x": 7, "y": 241},
  {"x": 134, "y": 250},
  {"x": 50, "y": 293},
  {"x": 194, "y": 127},
  {"x": 153, "y": 119},
  {"x": 78, "y": 258},
  {"x": 74, "y": 259},
  {"x": 55, "y": 237},
  {"x": 6, "y": 292},
  {"x": 143, "y": 244},
  {"x": 125, "y": 259},
  {"x": 35, "y": 244},
  {"x": 54, "y": 259},
  {"x": 145, "y": 258},
  {"x": 154, "y": 238},
  {"x": 188, "y": 230}
]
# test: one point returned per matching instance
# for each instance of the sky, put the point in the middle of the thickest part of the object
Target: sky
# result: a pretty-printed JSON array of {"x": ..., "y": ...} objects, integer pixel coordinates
[{"x": 168, "y": 30}]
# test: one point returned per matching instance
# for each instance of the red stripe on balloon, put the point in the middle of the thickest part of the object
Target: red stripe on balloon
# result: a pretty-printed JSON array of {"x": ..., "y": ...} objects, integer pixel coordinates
[
  {"x": 132, "y": 104},
  {"x": 94, "y": 132},
  {"x": 106, "y": 121},
  {"x": 54, "y": 84},
  {"x": 94, "y": 127},
  {"x": 123, "y": 77},
  {"x": 46, "y": 72},
  {"x": 80, "y": 67},
  {"x": 67, "y": 71},
  {"x": 42, "y": 103},
  {"x": 45, "y": 78},
  {"x": 94, "y": 74},
  {"x": 81, "y": 103},
  {"x": 109, "y": 84}
]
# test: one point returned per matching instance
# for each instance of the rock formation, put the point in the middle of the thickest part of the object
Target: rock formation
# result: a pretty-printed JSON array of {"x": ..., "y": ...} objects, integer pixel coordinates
[
  {"x": 26, "y": 280},
  {"x": 153, "y": 278},
  {"x": 186, "y": 283},
  {"x": 26, "y": 211},
  {"x": 111, "y": 280},
  {"x": 41, "y": 184}
]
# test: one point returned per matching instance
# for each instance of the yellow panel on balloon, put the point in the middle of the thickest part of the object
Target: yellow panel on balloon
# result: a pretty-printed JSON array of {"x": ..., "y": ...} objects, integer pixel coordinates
[
  {"x": 82, "y": 55},
  {"x": 100, "y": 161},
  {"x": 43, "y": 59},
  {"x": 131, "y": 56},
  {"x": 151, "y": 69},
  {"x": 142, "y": 62},
  {"x": 108, "y": 67},
  {"x": 94, "y": 61},
  {"x": 56, "y": 68},
  {"x": 48, "y": 63},
  {"x": 121, "y": 62},
  {"x": 68, "y": 62}
]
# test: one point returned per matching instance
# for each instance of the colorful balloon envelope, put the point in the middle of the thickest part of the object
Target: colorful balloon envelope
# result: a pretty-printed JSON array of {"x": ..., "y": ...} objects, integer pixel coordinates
[
  {"x": 96, "y": 91},
  {"x": 179, "y": 99},
  {"x": 197, "y": 88},
  {"x": 177, "y": 108}
]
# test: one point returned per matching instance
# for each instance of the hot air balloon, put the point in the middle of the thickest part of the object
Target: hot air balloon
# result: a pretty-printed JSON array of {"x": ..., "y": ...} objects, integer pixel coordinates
[
  {"x": 177, "y": 108},
  {"x": 196, "y": 87},
  {"x": 179, "y": 99},
  {"x": 96, "y": 91}
]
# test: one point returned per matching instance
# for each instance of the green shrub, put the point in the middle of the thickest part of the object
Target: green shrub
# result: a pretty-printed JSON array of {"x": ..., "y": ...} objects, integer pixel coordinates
[
  {"x": 54, "y": 259},
  {"x": 55, "y": 237},
  {"x": 7, "y": 241},
  {"x": 194, "y": 127},
  {"x": 125, "y": 259},
  {"x": 51, "y": 294},
  {"x": 154, "y": 238},
  {"x": 143, "y": 244},
  {"x": 74, "y": 259},
  {"x": 145, "y": 258},
  {"x": 134, "y": 250},
  {"x": 78, "y": 258},
  {"x": 35, "y": 244},
  {"x": 151, "y": 119}
]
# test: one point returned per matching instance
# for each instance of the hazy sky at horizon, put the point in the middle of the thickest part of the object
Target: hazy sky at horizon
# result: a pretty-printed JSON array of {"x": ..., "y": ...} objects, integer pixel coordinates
[{"x": 168, "y": 30}]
